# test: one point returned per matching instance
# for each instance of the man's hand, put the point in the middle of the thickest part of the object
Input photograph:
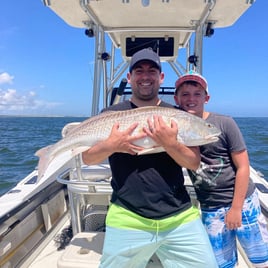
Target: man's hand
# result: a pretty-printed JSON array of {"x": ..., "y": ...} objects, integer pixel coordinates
[
  {"x": 122, "y": 141},
  {"x": 160, "y": 132}
]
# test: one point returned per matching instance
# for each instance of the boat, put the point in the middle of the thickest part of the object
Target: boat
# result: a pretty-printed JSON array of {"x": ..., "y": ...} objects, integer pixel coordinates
[{"x": 59, "y": 221}]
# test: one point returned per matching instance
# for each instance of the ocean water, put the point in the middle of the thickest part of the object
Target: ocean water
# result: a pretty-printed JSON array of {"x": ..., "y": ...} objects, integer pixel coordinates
[
  {"x": 21, "y": 137},
  {"x": 255, "y": 132}
]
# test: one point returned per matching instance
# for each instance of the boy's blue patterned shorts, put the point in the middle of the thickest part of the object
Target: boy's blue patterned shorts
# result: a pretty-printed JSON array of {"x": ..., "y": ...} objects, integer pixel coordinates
[{"x": 252, "y": 235}]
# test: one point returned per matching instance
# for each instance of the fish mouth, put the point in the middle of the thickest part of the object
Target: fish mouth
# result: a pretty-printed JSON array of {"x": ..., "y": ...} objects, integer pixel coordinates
[
  {"x": 207, "y": 140},
  {"x": 213, "y": 137}
]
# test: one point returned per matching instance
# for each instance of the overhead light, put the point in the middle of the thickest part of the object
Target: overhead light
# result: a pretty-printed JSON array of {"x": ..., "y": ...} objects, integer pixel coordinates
[
  {"x": 89, "y": 32},
  {"x": 46, "y": 2},
  {"x": 145, "y": 3},
  {"x": 209, "y": 30},
  {"x": 105, "y": 56},
  {"x": 193, "y": 59}
]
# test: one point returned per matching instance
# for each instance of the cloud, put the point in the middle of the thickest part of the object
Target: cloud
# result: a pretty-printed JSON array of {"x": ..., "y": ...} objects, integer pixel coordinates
[
  {"x": 12, "y": 101},
  {"x": 5, "y": 78}
]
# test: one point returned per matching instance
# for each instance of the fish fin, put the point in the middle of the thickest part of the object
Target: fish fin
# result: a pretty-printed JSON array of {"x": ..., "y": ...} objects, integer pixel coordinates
[
  {"x": 69, "y": 128},
  {"x": 55, "y": 164},
  {"x": 153, "y": 150},
  {"x": 44, "y": 159},
  {"x": 47, "y": 167}
]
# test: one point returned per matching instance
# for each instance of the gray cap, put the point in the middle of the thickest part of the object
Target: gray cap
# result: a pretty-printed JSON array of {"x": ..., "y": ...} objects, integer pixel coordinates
[{"x": 145, "y": 54}]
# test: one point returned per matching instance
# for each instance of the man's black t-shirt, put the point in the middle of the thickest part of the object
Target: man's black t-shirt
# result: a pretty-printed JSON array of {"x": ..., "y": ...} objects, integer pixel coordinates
[{"x": 150, "y": 185}]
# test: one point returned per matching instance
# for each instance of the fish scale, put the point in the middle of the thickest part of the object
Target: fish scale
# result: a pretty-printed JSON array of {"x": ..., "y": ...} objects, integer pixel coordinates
[{"x": 192, "y": 131}]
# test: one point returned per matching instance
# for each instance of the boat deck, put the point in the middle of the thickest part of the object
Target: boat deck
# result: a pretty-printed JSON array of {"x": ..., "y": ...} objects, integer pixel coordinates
[
  {"x": 85, "y": 248},
  {"x": 82, "y": 253}
]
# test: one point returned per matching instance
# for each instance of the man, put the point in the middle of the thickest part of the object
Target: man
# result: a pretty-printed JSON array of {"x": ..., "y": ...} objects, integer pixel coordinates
[
  {"x": 228, "y": 198},
  {"x": 150, "y": 210}
]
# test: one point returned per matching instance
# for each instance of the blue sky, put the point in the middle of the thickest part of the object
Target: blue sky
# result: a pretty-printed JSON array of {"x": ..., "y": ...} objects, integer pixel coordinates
[{"x": 46, "y": 66}]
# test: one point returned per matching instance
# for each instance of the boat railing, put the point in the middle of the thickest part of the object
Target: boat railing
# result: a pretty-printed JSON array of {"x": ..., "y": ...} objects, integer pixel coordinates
[{"x": 89, "y": 192}]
